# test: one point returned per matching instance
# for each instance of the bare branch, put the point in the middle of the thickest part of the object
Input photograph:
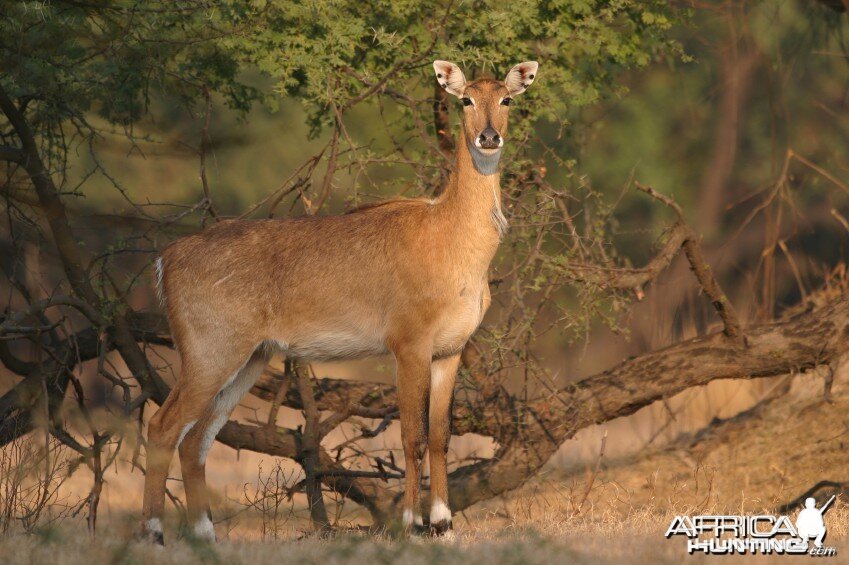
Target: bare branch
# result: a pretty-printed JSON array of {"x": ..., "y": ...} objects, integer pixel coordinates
[
  {"x": 9, "y": 325},
  {"x": 700, "y": 267},
  {"x": 11, "y": 154},
  {"x": 204, "y": 148}
]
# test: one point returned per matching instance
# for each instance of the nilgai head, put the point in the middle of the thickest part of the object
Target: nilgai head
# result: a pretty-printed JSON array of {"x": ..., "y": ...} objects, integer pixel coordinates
[{"x": 486, "y": 101}]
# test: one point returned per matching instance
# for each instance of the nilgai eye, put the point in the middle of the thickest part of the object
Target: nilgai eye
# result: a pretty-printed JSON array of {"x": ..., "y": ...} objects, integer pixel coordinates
[
  {"x": 506, "y": 101},
  {"x": 467, "y": 101}
]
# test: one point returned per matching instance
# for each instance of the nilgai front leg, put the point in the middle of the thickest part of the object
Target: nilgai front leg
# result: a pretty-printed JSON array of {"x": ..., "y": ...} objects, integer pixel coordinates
[{"x": 443, "y": 374}]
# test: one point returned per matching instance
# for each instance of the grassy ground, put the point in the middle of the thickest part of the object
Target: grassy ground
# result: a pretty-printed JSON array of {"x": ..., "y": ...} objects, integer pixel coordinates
[
  {"x": 507, "y": 546},
  {"x": 750, "y": 464},
  {"x": 632, "y": 541}
]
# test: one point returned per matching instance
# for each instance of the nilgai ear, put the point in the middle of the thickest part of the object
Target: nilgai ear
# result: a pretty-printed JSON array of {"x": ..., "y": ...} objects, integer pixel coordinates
[
  {"x": 520, "y": 77},
  {"x": 450, "y": 77}
]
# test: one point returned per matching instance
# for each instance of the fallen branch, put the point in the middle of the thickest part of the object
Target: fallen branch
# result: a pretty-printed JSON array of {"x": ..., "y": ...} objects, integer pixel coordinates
[
  {"x": 831, "y": 488},
  {"x": 792, "y": 345}
]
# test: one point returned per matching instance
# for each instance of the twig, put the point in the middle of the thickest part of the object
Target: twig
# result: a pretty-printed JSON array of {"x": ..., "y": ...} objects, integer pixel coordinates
[
  {"x": 384, "y": 423},
  {"x": 327, "y": 183},
  {"x": 840, "y": 218},
  {"x": 595, "y": 473},
  {"x": 204, "y": 145},
  {"x": 794, "y": 267},
  {"x": 274, "y": 408}
]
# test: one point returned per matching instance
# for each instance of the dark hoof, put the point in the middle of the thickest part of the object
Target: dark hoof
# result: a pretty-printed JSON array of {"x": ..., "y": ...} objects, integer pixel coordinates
[
  {"x": 440, "y": 528},
  {"x": 419, "y": 530}
]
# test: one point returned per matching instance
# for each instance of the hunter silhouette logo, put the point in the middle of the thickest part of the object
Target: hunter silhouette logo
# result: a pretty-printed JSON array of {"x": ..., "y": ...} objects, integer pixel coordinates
[
  {"x": 810, "y": 523},
  {"x": 757, "y": 534}
]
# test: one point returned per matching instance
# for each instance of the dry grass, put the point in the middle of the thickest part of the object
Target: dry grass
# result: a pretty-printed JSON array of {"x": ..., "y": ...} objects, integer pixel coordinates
[
  {"x": 543, "y": 540},
  {"x": 546, "y": 539},
  {"x": 526, "y": 547},
  {"x": 746, "y": 465}
]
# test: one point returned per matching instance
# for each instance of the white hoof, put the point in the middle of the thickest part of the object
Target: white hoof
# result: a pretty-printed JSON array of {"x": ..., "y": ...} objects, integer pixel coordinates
[
  {"x": 411, "y": 520},
  {"x": 203, "y": 529}
]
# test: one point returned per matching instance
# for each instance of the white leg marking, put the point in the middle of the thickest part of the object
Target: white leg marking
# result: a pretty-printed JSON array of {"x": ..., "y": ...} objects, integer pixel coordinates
[
  {"x": 153, "y": 525},
  {"x": 186, "y": 429},
  {"x": 410, "y": 519},
  {"x": 211, "y": 431},
  {"x": 440, "y": 372},
  {"x": 226, "y": 400},
  {"x": 439, "y": 512},
  {"x": 437, "y": 375},
  {"x": 203, "y": 529}
]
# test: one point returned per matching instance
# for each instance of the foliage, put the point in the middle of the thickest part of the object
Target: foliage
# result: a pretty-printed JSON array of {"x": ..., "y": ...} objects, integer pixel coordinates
[{"x": 343, "y": 61}]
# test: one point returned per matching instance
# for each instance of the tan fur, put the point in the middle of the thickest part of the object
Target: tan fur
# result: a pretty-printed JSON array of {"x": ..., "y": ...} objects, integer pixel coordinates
[{"x": 407, "y": 277}]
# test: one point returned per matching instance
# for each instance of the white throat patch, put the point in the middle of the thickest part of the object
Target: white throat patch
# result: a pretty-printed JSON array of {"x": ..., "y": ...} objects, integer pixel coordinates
[{"x": 486, "y": 164}]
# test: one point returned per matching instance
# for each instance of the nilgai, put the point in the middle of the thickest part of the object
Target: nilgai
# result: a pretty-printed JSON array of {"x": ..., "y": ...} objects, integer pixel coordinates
[{"x": 406, "y": 277}]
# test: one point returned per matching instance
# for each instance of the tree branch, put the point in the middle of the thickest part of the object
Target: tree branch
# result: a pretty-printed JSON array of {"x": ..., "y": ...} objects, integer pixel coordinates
[
  {"x": 788, "y": 346},
  {"x": 309, "y": 446},
  {"x": 700, "y": 267},
  {"x": 11, "y": 154},
  {"x": 71, "y": 255},
  {"x": 9, "y": 325}
]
